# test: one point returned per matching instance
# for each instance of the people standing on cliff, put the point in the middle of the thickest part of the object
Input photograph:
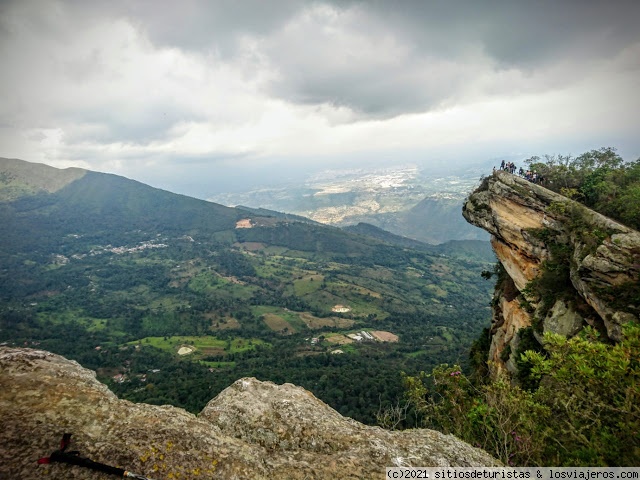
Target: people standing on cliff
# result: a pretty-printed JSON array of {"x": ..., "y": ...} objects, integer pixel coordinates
[{"x": 509, "y": 167}]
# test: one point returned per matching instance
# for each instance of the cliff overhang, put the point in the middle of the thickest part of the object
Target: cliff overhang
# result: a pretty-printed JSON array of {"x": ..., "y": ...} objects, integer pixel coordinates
[{"x": 534, "y": 230}]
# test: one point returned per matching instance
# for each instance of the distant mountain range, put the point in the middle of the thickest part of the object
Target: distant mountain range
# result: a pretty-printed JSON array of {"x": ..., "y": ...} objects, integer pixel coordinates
[{"x": 39, "y": 203}]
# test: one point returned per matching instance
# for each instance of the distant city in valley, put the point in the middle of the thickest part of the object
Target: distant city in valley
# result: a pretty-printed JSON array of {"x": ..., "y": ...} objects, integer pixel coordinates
[{"x": 385, "y": 197}]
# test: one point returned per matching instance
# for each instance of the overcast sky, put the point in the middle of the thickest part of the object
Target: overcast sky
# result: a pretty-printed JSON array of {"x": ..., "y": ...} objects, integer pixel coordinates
[{"x": 188, "y": 94}]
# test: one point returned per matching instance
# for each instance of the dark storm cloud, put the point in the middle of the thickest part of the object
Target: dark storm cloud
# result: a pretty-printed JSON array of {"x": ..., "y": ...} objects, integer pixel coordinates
[
  {"x": 206, "y": 25},
  {"x": 381, "y": 58},
  {"x": 145, "y": 79},
  {"x": 514, "y": 32},
  {"x": 439, "y": 50}
]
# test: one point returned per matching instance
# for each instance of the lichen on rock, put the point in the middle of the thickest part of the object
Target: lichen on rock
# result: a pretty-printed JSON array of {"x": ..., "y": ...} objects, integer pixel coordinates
[{"x": 252, "y": 429}]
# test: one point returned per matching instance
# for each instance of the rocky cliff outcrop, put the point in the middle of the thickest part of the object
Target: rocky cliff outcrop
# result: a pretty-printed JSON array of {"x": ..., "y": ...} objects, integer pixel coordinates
[
  {"x": 252, "y": 429},
  {"x": 537, "y": 235}
]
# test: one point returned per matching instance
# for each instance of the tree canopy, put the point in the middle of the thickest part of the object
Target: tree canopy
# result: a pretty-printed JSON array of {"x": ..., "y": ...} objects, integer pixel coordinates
[{"x": 600, "y": 179}]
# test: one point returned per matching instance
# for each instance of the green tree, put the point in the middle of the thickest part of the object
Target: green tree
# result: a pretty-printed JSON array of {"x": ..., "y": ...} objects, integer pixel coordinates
[
  {"x": 504, "y": 420},
  {"x": 593, "y": 391},
  {"x": 600, "y": 179}
]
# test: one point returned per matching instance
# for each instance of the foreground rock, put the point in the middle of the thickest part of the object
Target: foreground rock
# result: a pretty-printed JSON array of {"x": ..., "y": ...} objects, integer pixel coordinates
[
  {"x": 253, "y": 429},
  {"x": 526, "y": 222}
]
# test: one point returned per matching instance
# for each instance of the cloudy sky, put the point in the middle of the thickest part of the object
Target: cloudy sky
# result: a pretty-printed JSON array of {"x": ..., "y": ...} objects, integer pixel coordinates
[{"x": 194, "y": 95}]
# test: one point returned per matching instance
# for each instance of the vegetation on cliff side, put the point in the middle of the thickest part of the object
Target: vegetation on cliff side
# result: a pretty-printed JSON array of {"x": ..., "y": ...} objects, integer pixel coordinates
[
  {"x": 585, "y": 411},
  {"x": 572, "y": 402}
]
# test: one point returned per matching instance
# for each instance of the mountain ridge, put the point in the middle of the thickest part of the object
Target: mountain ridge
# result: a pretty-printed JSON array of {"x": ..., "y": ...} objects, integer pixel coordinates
[{"x": 19, "y": 178}]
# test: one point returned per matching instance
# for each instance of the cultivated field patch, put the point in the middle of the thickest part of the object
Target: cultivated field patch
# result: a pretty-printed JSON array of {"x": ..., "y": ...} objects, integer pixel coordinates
[
  {"x": 225, "y": 323},
  {"x": 252, "y": 246},
  {"x": 338, "y": 339},
  {"x": 204, "y": 346},
  {"x": 307, "y": 284},
  {"x": 385, "y": 336},
  {"x": 277, "y": 323},
  {"x": 316, "y": 322}
]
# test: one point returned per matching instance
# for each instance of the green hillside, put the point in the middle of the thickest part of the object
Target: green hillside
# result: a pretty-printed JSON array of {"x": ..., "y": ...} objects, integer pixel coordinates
[
  {"x": 477, "y": 250},
  {"x": 171, "y": 298},
  {"x": 106, "y": 208},
  {"x": 434, "y": 220},
  {"x": 265, "y": 212},
  {"x": 19, "y": 178},
  {"x": 369, "y": 230}
]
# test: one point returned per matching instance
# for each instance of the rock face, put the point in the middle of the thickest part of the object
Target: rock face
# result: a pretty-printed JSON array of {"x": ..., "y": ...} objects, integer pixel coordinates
[
  {"x": 525, "y": 222},
  {"x": 253, "y": 429}
]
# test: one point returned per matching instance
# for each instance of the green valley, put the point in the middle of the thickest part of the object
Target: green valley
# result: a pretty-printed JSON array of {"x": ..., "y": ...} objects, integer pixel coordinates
[{"x": 171, "y": 299}]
